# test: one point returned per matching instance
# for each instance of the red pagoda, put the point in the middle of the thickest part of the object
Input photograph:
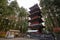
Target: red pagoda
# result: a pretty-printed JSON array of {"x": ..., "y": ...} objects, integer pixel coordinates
[{"x": 36, "y": 21}]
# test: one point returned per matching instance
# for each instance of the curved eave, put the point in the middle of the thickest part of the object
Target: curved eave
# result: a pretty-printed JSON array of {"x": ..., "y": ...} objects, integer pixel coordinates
[
  {"x": 36, "y": 14},
  {"x": 38, "y": 11},
  {"x": 37, "y": 26},
  {"x": 38, "y": 19},
  {"x": 34, "y": 6}
]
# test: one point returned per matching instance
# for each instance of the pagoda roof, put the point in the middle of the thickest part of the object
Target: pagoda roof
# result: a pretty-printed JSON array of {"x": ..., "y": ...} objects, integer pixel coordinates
[
  {"x": 32, "y": 31},
  {"x": 37, "y": 26},
  {"x": 38, "y": 20},
  {"x": 33, "y": 7},
  {"x": 34, "y": 11},
  {"x": 36, "y": 14},
  {"x": 34, "y": 18}
]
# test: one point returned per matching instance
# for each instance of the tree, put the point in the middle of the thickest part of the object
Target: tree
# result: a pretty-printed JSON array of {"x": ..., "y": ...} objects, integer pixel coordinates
[
  {"x": 23, "y": 14},
  {"x": 12, "y": 10},
  {"x": 50, "y": 10},
  {"x": 3, "y": 5},
  {"x": 5, "y": 12}
]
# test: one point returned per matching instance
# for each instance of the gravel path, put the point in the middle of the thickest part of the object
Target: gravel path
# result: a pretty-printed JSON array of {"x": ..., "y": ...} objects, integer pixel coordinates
[{"x": 17, "y": 39}]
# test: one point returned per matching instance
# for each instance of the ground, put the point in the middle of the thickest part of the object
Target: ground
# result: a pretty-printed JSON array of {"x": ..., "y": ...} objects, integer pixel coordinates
[{"x": 17, "y": 39}]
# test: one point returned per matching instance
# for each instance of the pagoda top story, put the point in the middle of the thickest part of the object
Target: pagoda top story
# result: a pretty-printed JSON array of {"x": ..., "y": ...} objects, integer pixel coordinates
[{"x": 34, "y": 7}]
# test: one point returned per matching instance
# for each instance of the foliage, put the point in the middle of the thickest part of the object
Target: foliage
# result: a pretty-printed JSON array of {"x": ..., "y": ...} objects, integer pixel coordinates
[
  {"x": 24, "y": 26},
  {"x": 51, "y": 11},
  {"x": 12, "y": 10},
  {"x": 23, "y": 14}
]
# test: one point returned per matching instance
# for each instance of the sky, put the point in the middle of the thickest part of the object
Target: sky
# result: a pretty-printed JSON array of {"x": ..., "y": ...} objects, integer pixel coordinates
[{"x": 27, "y": 3}]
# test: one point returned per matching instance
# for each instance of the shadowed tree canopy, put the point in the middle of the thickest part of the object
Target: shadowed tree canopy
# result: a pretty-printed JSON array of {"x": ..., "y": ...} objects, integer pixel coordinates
[
  {"x": 51, "y": 11},
  {"x": 57, "y": 2}
]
